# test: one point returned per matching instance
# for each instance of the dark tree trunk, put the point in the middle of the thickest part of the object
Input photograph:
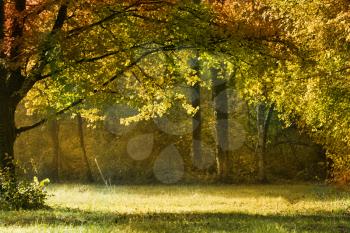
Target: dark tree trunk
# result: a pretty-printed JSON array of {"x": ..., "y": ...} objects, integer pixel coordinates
[
  {"x": 7, "y": 133},
  {"x": 54, "y": 129},
  {"x": 263, "y": 124},
  {"x": 222, "y": 127},
  {"x": 13, "y": 85},
  {"x": 83, "y": 148},
  {"x": 10, "y": 81},
  {"x": 197, "y": 128},
  {"x": 197, "y": 118}
]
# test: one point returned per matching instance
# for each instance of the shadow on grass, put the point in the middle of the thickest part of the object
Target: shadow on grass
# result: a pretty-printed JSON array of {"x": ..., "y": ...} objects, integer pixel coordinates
[{"x": 181, "y": 222}]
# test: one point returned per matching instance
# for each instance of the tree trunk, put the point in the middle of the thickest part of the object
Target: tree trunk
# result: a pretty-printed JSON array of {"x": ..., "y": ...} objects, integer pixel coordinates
[
  {"x": 263, "y": 124},
  {"x": 222, "y": 127},
  {"x": 197, "y": 118},
  {"x": 54, "y": 129},
  {"x": 7, "y": 134},
  {"x": 197, "y": 128},
  {"x": 83, "y": 148}
]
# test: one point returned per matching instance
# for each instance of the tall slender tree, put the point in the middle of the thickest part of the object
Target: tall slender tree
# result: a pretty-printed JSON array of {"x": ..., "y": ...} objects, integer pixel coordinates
[
  {"x": 197, "y": 118},
  {"x": 196, "y": 103},
  {"x": 80, "y": 125},
  {"x": 220, "y": 98},
  {"x": 54, "y": 129},
  {"x": 264, "y": 115}
]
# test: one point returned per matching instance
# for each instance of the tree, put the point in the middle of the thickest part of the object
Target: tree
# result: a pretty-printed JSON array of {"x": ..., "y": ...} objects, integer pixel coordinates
[
  {"x": 35, "y": 38},
  {"x": 54, "y": 129},
  {"x": 197, "y": 118},
  {"x": 14, "y": 84},
  {"x": 89, "y": 176},
  {"x": 316, "y": 94},
  {"x": 84, "y": 47},
  {"x": 220, "y": 99},
  {"x": 263, "y": 121}
]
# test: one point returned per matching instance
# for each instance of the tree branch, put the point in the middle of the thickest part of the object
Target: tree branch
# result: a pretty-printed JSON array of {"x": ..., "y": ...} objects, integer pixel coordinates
[
  {"x": 105, "y": 84},
  {"x": 43, "y": 121},
  {"x": 78, "y": 30},
  {"x": 29, "y": 82}
]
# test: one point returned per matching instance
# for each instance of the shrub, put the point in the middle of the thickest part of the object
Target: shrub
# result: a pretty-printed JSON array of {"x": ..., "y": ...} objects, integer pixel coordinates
[
  {"x": 15, "y": 195},
  {"x": 340, "y": 168}
]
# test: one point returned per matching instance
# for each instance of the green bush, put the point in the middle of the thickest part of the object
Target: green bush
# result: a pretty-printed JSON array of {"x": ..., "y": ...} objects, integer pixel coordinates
[{"x": 15, "y": 195}]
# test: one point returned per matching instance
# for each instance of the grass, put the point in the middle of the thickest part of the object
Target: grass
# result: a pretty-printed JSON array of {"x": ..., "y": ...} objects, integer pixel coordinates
[{"x": 260, "y": 209}]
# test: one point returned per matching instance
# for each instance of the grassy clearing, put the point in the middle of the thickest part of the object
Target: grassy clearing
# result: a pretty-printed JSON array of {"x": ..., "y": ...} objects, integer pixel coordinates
[{"x": 270, "y": 208}]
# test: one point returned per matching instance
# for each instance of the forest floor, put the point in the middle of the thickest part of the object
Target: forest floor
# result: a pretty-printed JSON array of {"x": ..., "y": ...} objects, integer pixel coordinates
[{"x": 260, "y": 209}]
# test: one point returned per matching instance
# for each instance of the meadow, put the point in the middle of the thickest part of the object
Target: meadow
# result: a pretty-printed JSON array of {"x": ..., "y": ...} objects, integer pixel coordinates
[{"x": 186, "y": 208}]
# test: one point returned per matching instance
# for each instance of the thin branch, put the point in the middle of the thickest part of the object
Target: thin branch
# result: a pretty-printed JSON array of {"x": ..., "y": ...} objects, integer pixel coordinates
[
  {"x": 99, "y": 57},
  {"x": 288, "y": 142},
  {"x": 113, "y": 15},
  {"x": 145, "y": 18},
  {"x": 43, "y": 121},
  {"x": 144, "y": 73}
]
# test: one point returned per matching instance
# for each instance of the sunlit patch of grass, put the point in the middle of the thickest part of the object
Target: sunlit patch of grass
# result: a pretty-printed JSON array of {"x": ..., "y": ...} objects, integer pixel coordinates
[{"x": 268, "y": 208}]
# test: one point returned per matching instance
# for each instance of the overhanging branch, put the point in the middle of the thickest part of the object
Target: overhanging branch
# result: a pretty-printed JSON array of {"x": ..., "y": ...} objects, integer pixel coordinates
[
  {"x": 105, "y": 84},
  {"x": 43, "y": 121}
]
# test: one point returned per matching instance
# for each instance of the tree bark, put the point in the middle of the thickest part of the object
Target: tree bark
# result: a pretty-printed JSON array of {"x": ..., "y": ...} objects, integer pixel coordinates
[
  {"x": 7, "y": 133},
  {"x": 54, "y": 129},
  {"x": 89, "y": 176},
  {"x": 222, "y": 127}
]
